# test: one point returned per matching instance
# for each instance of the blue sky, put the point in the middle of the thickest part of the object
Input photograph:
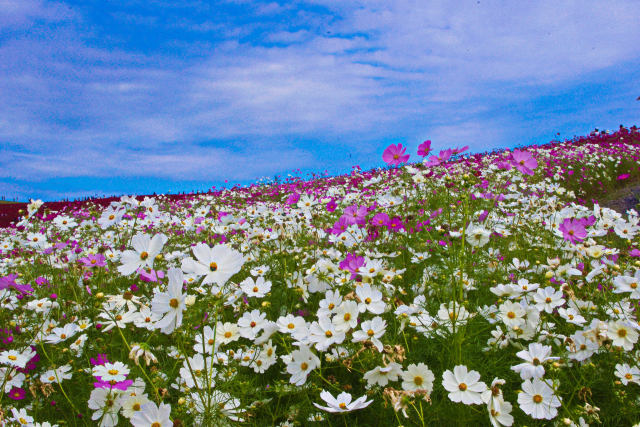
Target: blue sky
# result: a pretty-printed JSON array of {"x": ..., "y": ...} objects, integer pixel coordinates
[{"x": 119, "y": 97}]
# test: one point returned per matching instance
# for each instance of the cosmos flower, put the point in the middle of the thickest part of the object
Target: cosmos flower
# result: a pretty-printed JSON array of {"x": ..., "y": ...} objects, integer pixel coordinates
[
  {"x": 424, "y": 149},
  {"x": 523, "y": 161},
  {"x": 573, "y": 230},
  {"x": 217, "y": 264},
  {"x": 143, "y": 255},
  {"x": 170, "y": 304},
  {"x": 342, "y": 403},
  {"x": 538, "y": 400},
  {"x": 394, "y": 154},
  {"x": 463, "y": 385},
  {"x": 152, "y": 415}
]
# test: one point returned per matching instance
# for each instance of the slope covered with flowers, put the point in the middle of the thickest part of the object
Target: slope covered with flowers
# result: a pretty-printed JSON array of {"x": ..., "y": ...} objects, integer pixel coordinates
[{"x": 466, "y": 289}]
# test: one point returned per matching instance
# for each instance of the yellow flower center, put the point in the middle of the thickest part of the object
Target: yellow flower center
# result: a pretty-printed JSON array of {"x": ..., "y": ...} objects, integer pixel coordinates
[
  {"x": 213, "y": 266},
  {"x": 174, "y": 303},
  {"x": 462, "y": 386},
  {"x": 417, "y": 380},
  {"x": 144, "y": 255},
  {"x": 537, "y": 398}
]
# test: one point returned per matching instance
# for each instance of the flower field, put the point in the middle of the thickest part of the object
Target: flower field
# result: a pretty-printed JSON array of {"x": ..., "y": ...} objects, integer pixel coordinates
[{"x": 463, "y": 289}]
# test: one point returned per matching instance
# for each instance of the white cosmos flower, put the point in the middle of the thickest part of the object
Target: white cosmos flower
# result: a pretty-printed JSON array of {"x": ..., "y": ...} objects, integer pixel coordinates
[
  {"x": 56, "y": 375},
  {"x": 216, "y": 264},
  {"x": 144, "y": 254},
  {"x": 627, "y": 373},
  {"x": 534, "y": 357},
  {"x": 547, "y": 299},
  {"x": 477, "y": 235},
  {"x": 381, "y": 375},
  {"x": 299, "y": 363},
  {"x": 257, "y": 288},
  {"x": 417, "y": 377},
  {"x": 346, "y": 316},
  {"x": 372, "y": 330},
  {"x": 170, "y": 304},
  {"x": 463, "y": 385},
  {"x": 625, "y": 284},
  {"x": 342, "y": 403},
  {"x": 538, "y": 400},
  {"x": 117, "y": 371},
  {"x": 371, "y": 299},
  {"x": 151, "y": 415},
  {"x": 623, "y": 334}
]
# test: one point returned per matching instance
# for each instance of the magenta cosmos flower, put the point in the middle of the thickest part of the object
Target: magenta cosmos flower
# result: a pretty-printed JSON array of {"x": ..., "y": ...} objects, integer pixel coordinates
[
  {"x": 352, "y": 263},
  {"x": 573, "y": 230},
  {"x": 524, "y": 162},
  {"x": 394, "y": 154},
  {"x": 424, "y": 148}
]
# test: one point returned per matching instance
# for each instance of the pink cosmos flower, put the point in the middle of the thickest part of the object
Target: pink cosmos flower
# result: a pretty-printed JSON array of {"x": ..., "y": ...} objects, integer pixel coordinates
[
  {"x": 91, "y": 260},
  {"x": 523, "y": 161},
  {"x": 355, "y": 215},
  {"x": 340, "y": 225},
  {"x": 440, "y": 158},
  {"x": 380, "y": 219},
  {"x": 573, "y": 230},
  {"x": 395, "y": 224},
  {"x": 10, "y": 281},
  {"x": 424, "y": 148},
  {"x": 623, "y": 176},
  {"x": 151, "y": 275},
  {"x": 120, "y": 385},
  {"x": 352, "y": 263},
  {"x": 460, "y": 150},
  {"x": 394, "y": 154},
  {"x": 17, "y": 393}
]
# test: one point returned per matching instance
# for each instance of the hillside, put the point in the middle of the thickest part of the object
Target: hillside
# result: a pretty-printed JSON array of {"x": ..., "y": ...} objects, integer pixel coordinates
[{"x": 466, "y": 289}]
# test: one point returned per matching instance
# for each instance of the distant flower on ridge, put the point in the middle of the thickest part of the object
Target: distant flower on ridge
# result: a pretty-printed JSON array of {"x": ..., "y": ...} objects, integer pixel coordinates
[
  {"x": 425, "y": 148},
  {"x": 523, "y": 161},
  {"x": 394, "y": 154}
]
